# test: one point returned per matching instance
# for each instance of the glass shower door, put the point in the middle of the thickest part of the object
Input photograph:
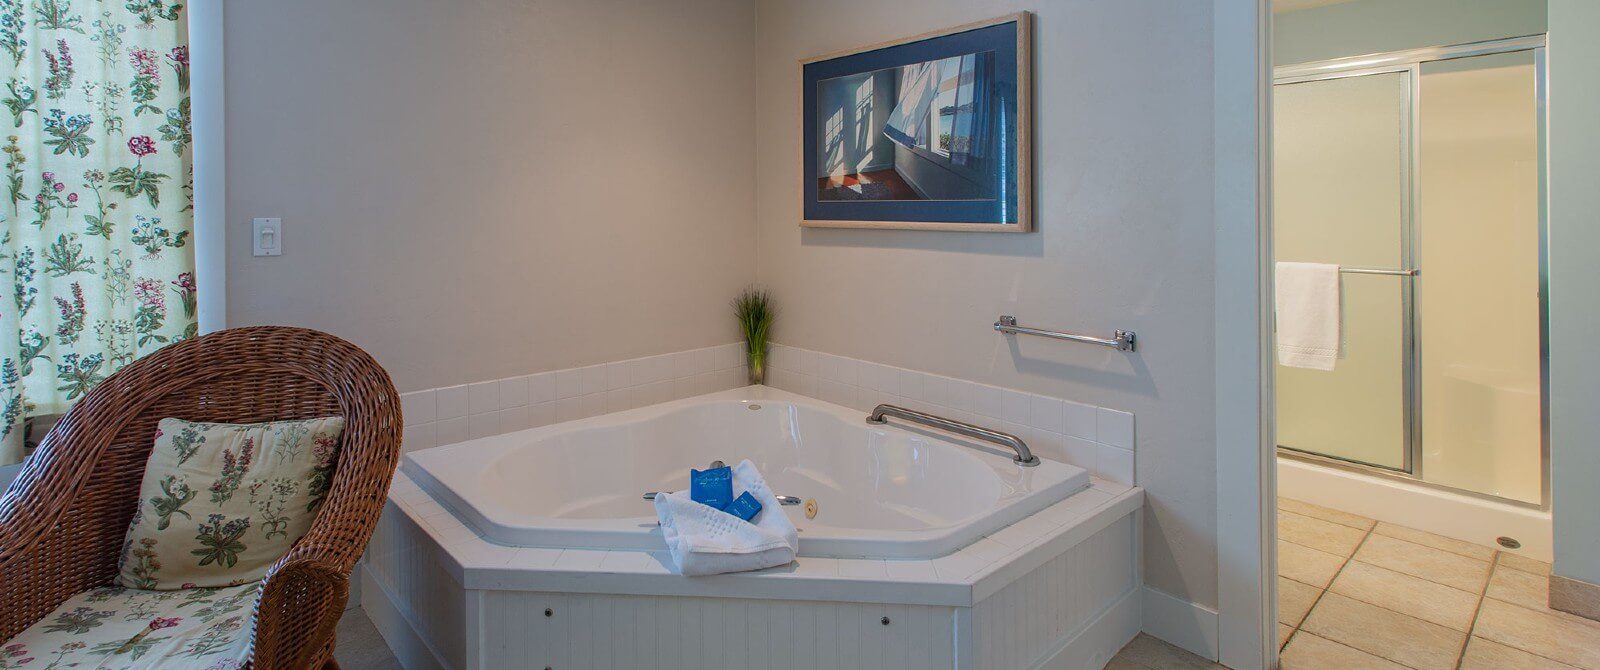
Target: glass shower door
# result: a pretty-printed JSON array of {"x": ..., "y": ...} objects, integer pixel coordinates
[
  {"x": 1479, "y": 303},
  {"x": 1342, "y": 151}
]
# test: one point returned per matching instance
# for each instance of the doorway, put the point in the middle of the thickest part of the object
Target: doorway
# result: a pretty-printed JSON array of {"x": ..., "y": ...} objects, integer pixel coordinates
[
  {"x": 1413, "y": 478},
  {"x": 1418, "y": 174}
]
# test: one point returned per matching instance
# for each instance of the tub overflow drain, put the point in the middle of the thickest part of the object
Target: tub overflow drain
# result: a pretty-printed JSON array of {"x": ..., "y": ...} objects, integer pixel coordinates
[
  {"x": 753, "y": 406},
  {"x": 811, "y": 508}
]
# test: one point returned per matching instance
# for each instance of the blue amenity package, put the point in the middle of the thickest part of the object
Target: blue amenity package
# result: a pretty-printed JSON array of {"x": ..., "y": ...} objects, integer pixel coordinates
[
  {"x": 712, "y": 488},
  {"x": 745, "y": 506}
]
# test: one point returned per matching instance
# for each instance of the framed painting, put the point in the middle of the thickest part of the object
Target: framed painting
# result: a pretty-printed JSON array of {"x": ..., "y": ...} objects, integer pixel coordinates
[{"x": 930, "y": 132}]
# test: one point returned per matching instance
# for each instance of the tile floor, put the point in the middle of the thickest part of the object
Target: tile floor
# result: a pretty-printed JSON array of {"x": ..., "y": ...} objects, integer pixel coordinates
[
  {"x": 359, "y": 645},
  {"x": 1148, "y": 653},
  {"x": 1356, "y": 593}
]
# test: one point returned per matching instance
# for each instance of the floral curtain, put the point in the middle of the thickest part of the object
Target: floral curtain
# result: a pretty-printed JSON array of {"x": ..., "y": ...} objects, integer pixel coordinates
[{"x": 98, "y": 202}]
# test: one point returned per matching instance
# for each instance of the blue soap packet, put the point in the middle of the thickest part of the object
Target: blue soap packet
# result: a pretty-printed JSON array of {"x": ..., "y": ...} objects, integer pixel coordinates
[
  {"x": 745, "y": 506},
  {"x": 712, "y": 488}
]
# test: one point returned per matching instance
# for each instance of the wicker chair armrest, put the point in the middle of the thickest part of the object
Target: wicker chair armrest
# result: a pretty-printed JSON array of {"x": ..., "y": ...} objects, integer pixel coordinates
[
  {"x": 305, "y": 592},
  {"x": 299, "y": 607}
]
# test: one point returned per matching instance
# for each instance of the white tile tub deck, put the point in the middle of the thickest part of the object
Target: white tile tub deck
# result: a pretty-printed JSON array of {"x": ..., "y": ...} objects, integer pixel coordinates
[{"x": 960, "y": 579}]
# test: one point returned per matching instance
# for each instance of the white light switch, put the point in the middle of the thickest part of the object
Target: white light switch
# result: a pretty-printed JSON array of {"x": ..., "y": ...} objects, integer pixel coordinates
[{"x": 266, "y": 237}]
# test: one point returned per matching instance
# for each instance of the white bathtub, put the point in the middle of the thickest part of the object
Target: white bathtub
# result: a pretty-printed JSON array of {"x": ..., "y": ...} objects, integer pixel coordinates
[{"x": 887, "y": 492}]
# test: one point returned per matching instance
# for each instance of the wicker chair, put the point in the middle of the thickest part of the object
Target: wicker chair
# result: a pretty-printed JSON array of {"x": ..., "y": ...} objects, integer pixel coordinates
[{"x": 62, "y": 521}]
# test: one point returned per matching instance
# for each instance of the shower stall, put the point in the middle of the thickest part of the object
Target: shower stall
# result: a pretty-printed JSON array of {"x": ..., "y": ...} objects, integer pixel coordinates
[{"x": 1420, "y": 173}]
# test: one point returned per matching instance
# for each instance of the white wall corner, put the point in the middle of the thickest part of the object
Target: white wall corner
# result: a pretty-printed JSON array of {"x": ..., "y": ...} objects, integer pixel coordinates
[
  {"x": 208, "y": 101},
  {"x": 353, "y": 600},
  {"x": 1188, "y": 625},
  {"x": 1574, "y": 375},
  {"x": 1243, "y": 626}
]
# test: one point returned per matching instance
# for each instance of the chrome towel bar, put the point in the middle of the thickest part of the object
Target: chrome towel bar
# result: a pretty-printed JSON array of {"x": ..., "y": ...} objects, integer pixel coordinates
[
  {"x": 1024, "y": 455},
  {"x": 1377, "y": 271},
  {"x": 1122, "y": 340}
]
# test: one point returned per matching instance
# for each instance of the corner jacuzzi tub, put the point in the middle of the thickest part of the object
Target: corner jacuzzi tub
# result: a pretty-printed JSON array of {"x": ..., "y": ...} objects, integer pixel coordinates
[{"x": 885, "y": 492}]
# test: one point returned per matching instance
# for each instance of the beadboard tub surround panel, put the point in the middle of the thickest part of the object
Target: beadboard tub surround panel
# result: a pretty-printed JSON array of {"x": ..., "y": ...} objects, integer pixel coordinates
[
  {"x": 618, "y": 631},
  {"x": 539, "y": 607},
  {"x": 454, "y": 414},
  {"x": 1098, "y": 439},
  {"x": 402, "y": 566},
  {"x": 1033, "y": 616},
  {"x": 1073, "y": 611}
]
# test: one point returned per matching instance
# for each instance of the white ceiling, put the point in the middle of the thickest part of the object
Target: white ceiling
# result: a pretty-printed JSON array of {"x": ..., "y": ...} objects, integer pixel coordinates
[{"x": 1279, "y": 6}]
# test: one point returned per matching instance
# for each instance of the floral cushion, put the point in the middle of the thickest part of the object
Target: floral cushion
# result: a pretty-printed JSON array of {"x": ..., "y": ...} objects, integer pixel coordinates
[
  {"x": 115, "y": 627},
  {"x": 220, "y": 503}
]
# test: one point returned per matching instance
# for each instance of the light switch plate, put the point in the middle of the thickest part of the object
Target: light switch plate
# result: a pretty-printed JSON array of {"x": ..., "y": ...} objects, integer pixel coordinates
[{"x": 266, "y": 237}]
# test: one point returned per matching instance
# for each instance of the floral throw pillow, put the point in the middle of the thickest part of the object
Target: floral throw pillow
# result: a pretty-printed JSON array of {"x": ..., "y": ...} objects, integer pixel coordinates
[{"x": 220, "y": 503}]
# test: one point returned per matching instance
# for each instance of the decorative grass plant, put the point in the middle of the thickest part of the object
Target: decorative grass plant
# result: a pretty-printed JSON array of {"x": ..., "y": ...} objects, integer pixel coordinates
[{"x": 753, "y": 308}]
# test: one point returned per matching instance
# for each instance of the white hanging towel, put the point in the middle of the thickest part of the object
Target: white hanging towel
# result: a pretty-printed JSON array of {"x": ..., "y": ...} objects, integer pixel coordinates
[
  {"x": 1309, "y": 315},
  {"x": 707, "y": 541}
]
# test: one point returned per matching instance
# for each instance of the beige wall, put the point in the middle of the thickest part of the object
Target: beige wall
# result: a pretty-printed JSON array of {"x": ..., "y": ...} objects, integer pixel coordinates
[
  {"x": 1123, "y": 135},
  {"x": 472, "y": 190},
  {"x": 526, "y": 186}
]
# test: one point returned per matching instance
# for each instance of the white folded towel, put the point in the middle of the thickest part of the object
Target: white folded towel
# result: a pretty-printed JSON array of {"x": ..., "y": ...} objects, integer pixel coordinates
[
  {"x": 704, "y": 540},
  {"x": 1308, "y": 315}
]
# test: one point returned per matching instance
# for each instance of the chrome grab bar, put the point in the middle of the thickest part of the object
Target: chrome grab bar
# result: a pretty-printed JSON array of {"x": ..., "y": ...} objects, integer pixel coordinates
[
  {"x": 1024, "y": 455},
  {"x": 782, "y": 500},
  {"x": 1122, "y": 340}
]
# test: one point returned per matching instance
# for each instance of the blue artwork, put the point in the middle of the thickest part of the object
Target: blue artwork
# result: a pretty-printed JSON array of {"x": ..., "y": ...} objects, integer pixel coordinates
[{"x": 927, "y": 134}]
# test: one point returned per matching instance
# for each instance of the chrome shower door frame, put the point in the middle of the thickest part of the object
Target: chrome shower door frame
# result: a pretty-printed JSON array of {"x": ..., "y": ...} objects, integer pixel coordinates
[
  {"x": 1411, "y": 436},
  {"x": 1410, "y": 61}
]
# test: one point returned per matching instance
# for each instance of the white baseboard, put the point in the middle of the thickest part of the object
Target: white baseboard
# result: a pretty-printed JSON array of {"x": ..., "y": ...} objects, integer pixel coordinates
[
  {"x": 1462, "y": 517},
  {"x": 354, "y": 601},
  {"x": 409, "y": 648},
  {"x": 1575, "y": 596},
  {"x": 1180, "y": 622},
  {"x": 1094, "y": 646}
]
